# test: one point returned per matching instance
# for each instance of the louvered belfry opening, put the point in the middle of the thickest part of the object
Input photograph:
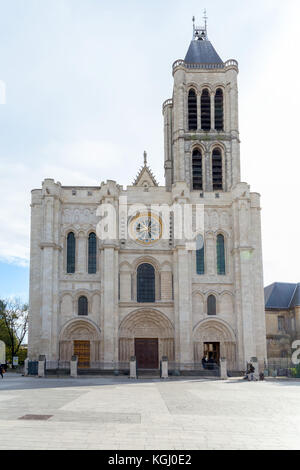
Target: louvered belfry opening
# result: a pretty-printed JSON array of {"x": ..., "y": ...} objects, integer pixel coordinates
[
  {"x": 192, "y": 110},
  {"x": 219, "y": 111},
  {"x": 217, "y": 170},
  {"x": 197, "y": 170},
  {"x": 205, "y": 110}
]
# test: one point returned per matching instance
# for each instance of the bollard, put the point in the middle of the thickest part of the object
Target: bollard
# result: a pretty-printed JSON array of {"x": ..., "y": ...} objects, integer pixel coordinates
[
  {"x": 255, "y": 364},
  {"x": 26, "y": 366},
  {"x": 73, "y": 366},
  {"x": 164, "y": 367},
  {"x": 223, "y": 369},
  {"x": 132, "y": 374},
  {"x": 42, "y": 366}
]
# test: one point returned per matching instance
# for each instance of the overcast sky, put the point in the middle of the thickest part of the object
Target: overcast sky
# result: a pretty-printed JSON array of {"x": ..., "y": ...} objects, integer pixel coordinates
[{"x": 85, "y": 81}]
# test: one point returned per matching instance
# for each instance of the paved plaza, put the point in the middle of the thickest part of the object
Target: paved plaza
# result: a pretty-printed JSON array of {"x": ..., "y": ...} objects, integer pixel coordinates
[{"x": 118, "y": 413}]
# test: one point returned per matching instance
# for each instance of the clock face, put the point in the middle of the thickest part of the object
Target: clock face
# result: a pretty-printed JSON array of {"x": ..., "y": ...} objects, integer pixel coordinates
[{"x": 146, "y": 228}]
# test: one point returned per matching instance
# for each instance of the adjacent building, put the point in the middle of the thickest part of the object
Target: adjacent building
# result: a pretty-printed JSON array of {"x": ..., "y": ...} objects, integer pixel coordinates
[{"x": 282, "y": 303}]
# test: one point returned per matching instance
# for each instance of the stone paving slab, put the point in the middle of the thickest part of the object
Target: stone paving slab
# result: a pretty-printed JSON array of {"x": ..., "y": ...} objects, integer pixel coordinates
[{"x": 117, "y": 413}]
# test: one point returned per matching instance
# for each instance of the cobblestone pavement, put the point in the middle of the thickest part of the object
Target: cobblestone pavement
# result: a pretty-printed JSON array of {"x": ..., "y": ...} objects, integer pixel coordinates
[{"x": 118, "y": 413}]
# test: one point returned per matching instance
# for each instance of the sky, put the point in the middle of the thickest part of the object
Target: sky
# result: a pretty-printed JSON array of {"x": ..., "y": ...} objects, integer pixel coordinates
[{"x": 84, "y": 84}]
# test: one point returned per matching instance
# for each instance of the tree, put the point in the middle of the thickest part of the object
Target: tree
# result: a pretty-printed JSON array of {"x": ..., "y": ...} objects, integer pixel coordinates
[{"x": 14, "y": 323}]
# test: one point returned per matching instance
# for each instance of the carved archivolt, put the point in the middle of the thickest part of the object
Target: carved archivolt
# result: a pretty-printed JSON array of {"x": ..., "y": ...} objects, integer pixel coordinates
[
  {"x": 147, "y": 324},
  {"x": 82, "y": 329},
  {"x": 213, "y": 330}
]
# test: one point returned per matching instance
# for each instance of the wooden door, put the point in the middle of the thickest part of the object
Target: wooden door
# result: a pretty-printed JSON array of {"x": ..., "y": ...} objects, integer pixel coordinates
[
  {"x": 146, "y": 352},
  {"x": 82, "y": 351}
]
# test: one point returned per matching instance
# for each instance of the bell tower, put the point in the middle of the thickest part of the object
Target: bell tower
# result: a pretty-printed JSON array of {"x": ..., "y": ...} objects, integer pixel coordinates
[{"x": 201, "y": 131}]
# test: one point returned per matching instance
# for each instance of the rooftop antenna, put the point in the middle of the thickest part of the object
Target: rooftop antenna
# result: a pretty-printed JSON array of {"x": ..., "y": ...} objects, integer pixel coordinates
[
  {"x": 200, "y": 32},
  {"x": 205, "y": 20}
]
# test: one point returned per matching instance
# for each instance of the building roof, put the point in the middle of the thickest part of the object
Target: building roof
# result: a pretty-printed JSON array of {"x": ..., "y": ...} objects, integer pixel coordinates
[
  {"x": 202, "y": 52},
  {"x": 282, "y": 295}
]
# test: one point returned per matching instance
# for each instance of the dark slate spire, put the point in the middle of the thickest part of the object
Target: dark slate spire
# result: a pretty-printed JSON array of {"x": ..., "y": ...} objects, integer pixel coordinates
[{"x": 201, "y": 50}]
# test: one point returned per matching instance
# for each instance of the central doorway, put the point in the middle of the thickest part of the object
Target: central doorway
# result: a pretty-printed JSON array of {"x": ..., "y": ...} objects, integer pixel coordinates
[
  {"x": 146, "y": 353},
  {"x": 212, "y": 351},
  {"x": 82, "y": 351}
]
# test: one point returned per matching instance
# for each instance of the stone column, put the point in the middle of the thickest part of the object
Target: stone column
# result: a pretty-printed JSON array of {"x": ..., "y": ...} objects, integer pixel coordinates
[
  {"x": 167, "y": 113},
  {"x": 199, "y": 111},
  {"x": 110, "y": 304},
  {"x": 212, "y": 111},
  {"x": 81, "y": 265},
  {"x": 259, "y": 319},
  {"x": 208, "y": 172},
  {"x": 183, "y": 305},
  {"x": 49, "y": 270},
  {"x": 243, "y": 253}
]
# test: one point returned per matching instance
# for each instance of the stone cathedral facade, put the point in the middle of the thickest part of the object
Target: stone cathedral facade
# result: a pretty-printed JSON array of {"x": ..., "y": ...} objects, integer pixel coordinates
[{"x": 148, "y": 295}]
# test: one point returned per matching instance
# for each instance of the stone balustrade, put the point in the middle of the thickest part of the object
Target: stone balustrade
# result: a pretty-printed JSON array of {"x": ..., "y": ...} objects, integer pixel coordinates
[{"x": 231, "y": 63}]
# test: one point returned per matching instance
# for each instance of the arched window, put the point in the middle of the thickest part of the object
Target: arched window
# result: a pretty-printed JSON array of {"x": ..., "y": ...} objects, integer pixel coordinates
[
  {"x": 220, "y": 254},
  {"x": 192, "y": 110},
  {"x": 211, "y": 305},
  {"x": 146, "y": 283},
  {"x": 205, "y": 110},
  {"x": 92, "y": 255},
  {"x": 200, "y": 254},
  {"x": 217, "y": 174},
  {"x": 197, "y": 170},
  {"x": 82, "y": 305},
  {"x": 71, "y": 253},
  {"x": 219, "y": 112}
]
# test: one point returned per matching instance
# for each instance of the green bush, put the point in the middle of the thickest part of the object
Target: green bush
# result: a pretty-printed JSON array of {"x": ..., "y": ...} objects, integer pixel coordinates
[{"x": 295, "y": 371}]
